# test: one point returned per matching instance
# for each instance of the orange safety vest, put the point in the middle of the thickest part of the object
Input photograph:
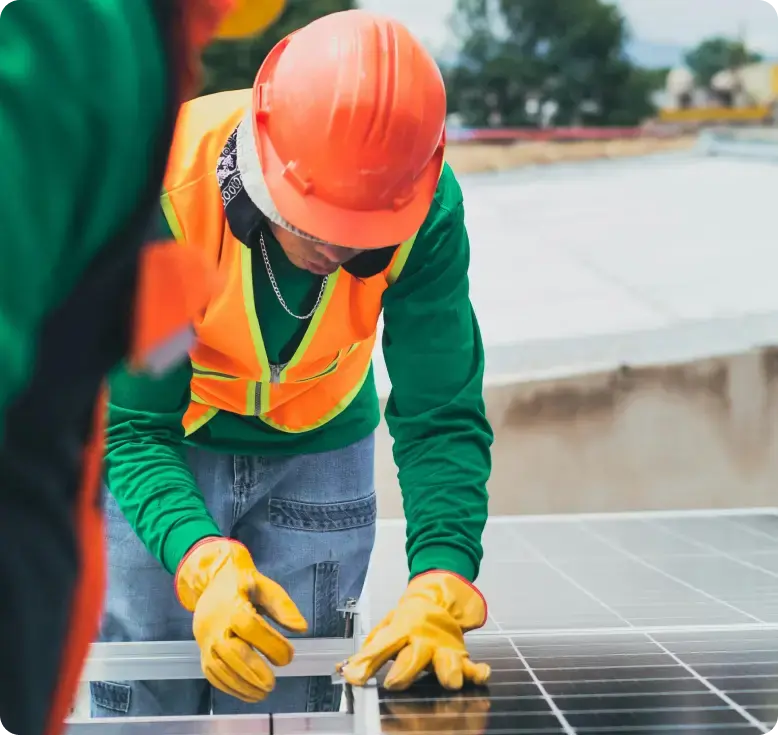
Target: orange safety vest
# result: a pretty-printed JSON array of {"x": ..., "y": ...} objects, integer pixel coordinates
[{"x": 231, "y": 370}]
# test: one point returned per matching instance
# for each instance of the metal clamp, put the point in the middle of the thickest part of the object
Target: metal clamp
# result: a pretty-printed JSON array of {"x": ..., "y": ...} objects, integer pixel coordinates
[{"x": 349, "y": 613}]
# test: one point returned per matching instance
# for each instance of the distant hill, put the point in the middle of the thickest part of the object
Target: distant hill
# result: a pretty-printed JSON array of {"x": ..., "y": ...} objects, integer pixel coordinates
[
  {"x": 654, "y": 55},
  {"x": 649, "y": 54},
  {"x": 644, "y": 53}
]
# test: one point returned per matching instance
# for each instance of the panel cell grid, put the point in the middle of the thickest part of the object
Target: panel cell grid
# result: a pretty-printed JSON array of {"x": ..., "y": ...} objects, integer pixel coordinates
[
  {"x": 647, "y": 625},
  {"x": 600, "y": 683}
]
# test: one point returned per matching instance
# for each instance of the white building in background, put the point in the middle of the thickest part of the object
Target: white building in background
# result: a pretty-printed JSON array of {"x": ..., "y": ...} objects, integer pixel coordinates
[{"x": 745, "y": 95}]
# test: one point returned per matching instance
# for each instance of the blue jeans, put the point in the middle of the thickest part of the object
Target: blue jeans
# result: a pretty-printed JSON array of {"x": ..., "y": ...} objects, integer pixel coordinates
[{"x": 309, "y": 523}]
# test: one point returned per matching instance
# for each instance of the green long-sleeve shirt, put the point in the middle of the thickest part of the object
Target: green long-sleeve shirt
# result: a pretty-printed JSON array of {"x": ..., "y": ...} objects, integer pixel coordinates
[{"x": 434, "y": 355}]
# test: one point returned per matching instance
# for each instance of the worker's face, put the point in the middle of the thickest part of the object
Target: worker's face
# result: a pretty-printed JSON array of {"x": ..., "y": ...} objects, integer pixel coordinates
[{"x": 312, "y": 256}]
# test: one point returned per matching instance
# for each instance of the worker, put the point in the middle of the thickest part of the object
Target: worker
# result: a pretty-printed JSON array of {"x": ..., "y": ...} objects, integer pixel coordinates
[
  {"x": 241, "y": 507},
  {"x": 90, "y": 93}
]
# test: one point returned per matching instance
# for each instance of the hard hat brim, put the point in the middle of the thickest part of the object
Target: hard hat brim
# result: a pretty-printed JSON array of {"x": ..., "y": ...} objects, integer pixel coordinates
[{"x": 348, "y": 228}]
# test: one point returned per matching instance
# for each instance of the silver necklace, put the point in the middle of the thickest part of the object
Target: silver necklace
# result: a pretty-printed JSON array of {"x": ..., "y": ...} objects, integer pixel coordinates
[{"x": 277, "y": 290}]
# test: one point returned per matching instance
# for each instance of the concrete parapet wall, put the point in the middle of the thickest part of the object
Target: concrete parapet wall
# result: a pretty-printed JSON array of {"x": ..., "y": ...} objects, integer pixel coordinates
[
  {"x": 679, "y": 435},
  {"x": 759, "y": 143},
  {"x": 747, "y": 134}
]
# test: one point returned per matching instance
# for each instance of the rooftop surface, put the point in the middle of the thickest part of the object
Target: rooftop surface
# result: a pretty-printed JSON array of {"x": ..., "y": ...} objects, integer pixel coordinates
[{"x": 618, "y": 261}]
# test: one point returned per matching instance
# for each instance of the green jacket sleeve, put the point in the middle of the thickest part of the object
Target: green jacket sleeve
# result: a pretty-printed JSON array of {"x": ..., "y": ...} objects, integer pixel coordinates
[
  {"x": 71, "y": 76},
  {"x": 436, "y": 414},
  {"x": 146, "y": 467},
  {"x": 50, "y": 153}
]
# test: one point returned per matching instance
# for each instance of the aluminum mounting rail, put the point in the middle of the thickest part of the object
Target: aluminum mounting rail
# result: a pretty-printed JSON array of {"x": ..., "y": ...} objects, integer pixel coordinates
[
  {"x": 175, "y": 660},
  {"x": 180, "y": 660},
  {"x": 336, "y": 724}
]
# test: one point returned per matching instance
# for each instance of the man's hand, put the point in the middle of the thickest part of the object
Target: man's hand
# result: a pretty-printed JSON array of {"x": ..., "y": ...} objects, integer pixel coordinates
[
  {"x": 218, "y": 582},
  {"x": 454, "y": 714},
  {"x": 425, "y": 631}
]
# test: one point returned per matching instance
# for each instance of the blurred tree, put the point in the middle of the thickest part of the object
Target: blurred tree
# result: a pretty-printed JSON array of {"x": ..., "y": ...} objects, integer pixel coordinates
[
  {"x": 530, "y": 62},
  {"x": 657, "y": 76},
  {"x": 716, "y": 54},
  {"x": 234, "y": 64}
]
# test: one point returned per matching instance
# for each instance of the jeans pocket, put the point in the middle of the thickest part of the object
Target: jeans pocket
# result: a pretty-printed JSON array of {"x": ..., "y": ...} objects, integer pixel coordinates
[
  {"x": 113, "y": 696},
  {"x": 322, "y": 517}
]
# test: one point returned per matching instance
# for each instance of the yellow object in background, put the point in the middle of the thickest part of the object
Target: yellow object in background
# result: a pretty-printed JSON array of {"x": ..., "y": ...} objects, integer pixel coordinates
[{"x": 249, "y": 17}]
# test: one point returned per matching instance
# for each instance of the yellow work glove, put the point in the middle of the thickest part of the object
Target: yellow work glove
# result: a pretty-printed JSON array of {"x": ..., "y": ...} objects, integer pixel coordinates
[
  {"x": 454, "y": 714},
  {"x": 425, "y": 631},
  {"x": 218, "y": 582}
]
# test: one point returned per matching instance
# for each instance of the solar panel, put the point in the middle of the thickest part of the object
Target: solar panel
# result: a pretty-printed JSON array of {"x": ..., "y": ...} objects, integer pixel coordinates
[
  {"x": 652, "y": 624},
  {"x": 718, "y": 682},
  {"x": 611, "y": 572},
  {"x": 611, "y": 624}
]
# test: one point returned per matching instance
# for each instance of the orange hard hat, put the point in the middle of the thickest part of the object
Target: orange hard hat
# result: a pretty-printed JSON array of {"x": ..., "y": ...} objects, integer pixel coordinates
[{"x": 349, "y": 126}]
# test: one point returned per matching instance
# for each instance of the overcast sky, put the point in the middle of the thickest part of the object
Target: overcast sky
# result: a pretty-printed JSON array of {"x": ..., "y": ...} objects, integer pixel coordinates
[{"x": 682, "y": 22}]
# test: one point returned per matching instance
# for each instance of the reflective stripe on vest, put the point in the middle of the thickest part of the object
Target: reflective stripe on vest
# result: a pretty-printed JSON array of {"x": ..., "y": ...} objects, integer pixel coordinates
[{"x": 230, "y": 366}]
